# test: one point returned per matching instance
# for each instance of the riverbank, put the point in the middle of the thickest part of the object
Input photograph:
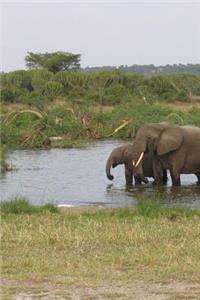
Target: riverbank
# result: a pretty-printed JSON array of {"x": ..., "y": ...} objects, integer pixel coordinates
[
  {"x": 65, "y": 124},
  {"x": 57, "y": 109},
  {"x": 90, "y": 249}
]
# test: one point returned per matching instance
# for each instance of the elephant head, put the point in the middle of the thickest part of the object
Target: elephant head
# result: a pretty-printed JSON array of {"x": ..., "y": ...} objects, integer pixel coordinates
[
  {"x": 116, "y": 158},
  {"x": 123, "y": 155},
  {"x": 160, "y": 138}
]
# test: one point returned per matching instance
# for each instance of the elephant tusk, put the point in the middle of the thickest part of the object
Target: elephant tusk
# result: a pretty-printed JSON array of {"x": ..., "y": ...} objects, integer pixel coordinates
[
  {"x": 133, "y": 163},
  {"x": 139, "y": 160}
]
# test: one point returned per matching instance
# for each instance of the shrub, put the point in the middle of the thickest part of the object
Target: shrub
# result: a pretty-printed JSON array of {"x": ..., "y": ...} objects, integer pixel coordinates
[
  {"x": 11, "y": 94},
  {"x": 52, "y": 89},
  {"x": 61, "y": 121},
  {"x": 114, "y": 94},
  {"x": 33, "y": 99},
  {"x": 39, "y": 78}
]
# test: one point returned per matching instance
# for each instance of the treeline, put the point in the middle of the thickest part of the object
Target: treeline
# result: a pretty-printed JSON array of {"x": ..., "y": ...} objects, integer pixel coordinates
[
  {"x": 36, "y": 87},
  {"x": 150, "y": 69}
]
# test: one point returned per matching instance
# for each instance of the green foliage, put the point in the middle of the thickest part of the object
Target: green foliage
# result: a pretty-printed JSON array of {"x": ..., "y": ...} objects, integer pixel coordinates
[
  {"x": 61, "y": 121},
  {"x": 39, "y": 79},
  {"x": 63, "y": 78},
  {"x": 20, "y": 79},
  {"x": 10, "y": 136},
  {"x": 52, "y": 89},
  {"x": 22, "y": 206},
  {"x": 114, "y": 94},
  {"x": 160, "y": 85},
  {"x": 146, "y": 208},
  {"x": 139, "y": 112},
  {"x": 33, "y": 99},
  {"x": 3, "y": 159},
  {"x": 11, "y": 94},
  {"x": 94, "y": 104},
  {"x": 153, "y": 208},
  {"x": 193, "y": 116},
  {"x": 105, "y": 87},
  {"x": 54, "y": 62}
]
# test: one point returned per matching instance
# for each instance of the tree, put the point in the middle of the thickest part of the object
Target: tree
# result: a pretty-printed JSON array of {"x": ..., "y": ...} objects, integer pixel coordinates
[{"x": 54, "y": 62}]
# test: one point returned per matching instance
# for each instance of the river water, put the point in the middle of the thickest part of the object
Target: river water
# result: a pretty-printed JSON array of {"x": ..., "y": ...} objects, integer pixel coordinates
[{"x": 76, "y": 177}]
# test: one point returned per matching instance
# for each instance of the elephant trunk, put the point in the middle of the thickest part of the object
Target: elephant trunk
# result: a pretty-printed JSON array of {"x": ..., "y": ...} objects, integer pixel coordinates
[{"x": 108, "y": 167}]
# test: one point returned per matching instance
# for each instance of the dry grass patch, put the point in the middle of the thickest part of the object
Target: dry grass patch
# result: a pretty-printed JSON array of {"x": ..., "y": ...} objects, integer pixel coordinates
[{"x": 113, "y": 245}]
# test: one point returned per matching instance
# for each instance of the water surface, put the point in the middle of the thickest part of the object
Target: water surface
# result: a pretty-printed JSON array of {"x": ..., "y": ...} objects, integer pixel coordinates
[{"x": 77, "y": 177}]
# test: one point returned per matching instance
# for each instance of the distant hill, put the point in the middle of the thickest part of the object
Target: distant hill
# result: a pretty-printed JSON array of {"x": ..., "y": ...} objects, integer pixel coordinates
[{"x": 150, "y": 69}]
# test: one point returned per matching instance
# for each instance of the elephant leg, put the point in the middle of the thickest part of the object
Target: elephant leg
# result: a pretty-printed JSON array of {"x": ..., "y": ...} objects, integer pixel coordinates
[
  {"x": 176, "y": 181},
  {"x": 128, "y": 176},
  {"x": 198, "y": 178},
  {"x": 165, "y": 178},
  {"x": 160, "y": 176},
  {"x": 138, "y": 180}
]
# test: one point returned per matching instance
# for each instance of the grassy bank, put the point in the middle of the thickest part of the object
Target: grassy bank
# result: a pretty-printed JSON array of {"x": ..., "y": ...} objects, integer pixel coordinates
[
  {"x": 3, "y": 163},
  {"x": 25, "y": 128},
  {"x": 90, "y": 245},
  {"x": 39, "y": 105}
]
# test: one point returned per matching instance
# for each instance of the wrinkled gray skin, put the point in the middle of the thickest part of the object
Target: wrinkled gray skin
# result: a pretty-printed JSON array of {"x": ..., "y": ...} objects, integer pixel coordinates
[
  {"x": 176, "y": 148},
  {"x": 123, "y": 155}
]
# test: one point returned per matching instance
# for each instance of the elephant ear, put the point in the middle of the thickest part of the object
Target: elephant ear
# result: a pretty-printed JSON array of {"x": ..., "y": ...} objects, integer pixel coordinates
[{"x": 170, "y": 140}]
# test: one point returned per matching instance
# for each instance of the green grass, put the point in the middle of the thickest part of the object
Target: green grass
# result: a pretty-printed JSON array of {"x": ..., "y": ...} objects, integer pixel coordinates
[
  {"x": 3, "y": 159},
  {"x": 76, "y": 123},
  {"x": 22, "y": 206},
  {"x": 148, "y": 242}
]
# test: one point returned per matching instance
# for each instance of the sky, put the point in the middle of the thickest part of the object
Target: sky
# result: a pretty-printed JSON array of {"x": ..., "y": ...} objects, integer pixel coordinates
[{"x": 105, "y": 33}]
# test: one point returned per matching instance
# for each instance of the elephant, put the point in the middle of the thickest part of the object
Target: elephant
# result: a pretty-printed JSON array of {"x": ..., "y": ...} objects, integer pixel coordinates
[
  {"x": 175, "y": 147},
  {"x": 198, "y": 178},
  {"x": 122, "y": 155}
]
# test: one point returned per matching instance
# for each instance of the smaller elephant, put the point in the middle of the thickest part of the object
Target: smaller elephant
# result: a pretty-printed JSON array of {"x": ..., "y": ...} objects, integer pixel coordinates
[{"x": 123, "y": 155}]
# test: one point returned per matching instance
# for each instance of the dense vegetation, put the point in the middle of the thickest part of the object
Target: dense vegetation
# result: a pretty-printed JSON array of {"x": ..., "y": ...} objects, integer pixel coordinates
[
  {"x": 39, "y": 104},
  {"x": 151, "y": 69}
]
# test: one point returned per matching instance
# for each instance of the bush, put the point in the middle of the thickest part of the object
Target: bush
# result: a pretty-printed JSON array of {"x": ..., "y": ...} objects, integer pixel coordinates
[
  {"x": 61, "y": 121},
  {"x": 160, "y": 85},
  {"x": 114, "y": 94},
  {"x": 33, "y": 99},
  {"x": 62, "y": 77},
  {"x": 183, "y": 96},
  {"x": 52, "y": 89},
  {"x": 39, "y": 79},
  {"x": 11, "y": 94}
]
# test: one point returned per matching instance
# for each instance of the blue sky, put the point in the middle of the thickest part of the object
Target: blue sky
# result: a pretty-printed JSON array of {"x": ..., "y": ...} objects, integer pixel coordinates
[{"x": 104, "y": 32}]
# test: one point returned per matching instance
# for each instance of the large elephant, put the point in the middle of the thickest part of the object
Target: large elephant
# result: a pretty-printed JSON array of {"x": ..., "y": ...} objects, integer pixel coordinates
[
  {"x": 176, "y": 148},
  {"x": 123, "y": 155}
]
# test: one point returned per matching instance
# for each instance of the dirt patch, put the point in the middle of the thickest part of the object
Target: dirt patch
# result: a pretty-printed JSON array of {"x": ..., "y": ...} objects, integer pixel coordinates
[
  {"x": 183, "y": 106},
  {"x": 139, "y": 290}
]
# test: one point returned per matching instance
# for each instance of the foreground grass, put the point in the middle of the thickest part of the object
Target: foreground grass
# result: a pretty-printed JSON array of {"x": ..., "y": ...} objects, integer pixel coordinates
[{"x": 95, "y": 245}]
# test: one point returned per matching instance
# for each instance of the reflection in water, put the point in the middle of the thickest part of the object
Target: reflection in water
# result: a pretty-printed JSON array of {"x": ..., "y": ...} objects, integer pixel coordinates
[
  {"x": 77, "y": 177},
  {"x": 184, "y": 195}
]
